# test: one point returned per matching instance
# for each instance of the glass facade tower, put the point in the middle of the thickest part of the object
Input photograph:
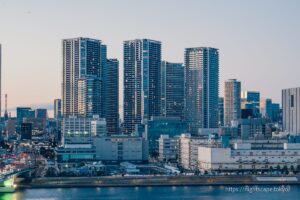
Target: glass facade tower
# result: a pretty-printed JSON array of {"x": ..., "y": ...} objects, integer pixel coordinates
[
  {"x": 172, "y": 89},
  {"x": 232, "y": 101},
  {"x": 83, "y": 58},
  {"x": 201, "y": 88},
  {"x": 142, "y": 60},
  {"x": 111, "y": 96}
]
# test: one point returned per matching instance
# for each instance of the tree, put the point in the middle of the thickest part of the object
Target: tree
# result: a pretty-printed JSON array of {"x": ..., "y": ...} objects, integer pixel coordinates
[
  {"x": 285, "y": 169},
  {"x": 298, "y": 168},
  {"x": 293, "y": 169},
  {"x": 278, "y": 167}
]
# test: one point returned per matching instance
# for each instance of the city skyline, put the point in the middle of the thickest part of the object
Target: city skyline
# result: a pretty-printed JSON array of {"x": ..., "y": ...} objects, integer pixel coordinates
[{"x": 243, "y": 49}]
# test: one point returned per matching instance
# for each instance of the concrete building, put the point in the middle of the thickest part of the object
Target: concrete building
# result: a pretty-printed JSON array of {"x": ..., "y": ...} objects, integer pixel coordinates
[
  {"x": 201, "y": 88},
  {"x": 232, "y": 101},
  {"x": 119, "y": 148},
  {"x": 247, "y": 157},
  {"x": 291, "y": 110},
  {"x": 57, "y": 109},
  {"x": 142, "y": 62},
  {"x": 82, "y": 57},
  {"x": 172, "y": 89},
  {"x": 110, "y": 96},
  {"x": 188, "y": 151},
  {"x": 168, "y": 148}
]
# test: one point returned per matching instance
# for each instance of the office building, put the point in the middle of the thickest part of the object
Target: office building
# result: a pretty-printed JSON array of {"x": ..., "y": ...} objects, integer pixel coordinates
[
  {"x": 202, "y": 88},
  {"x": 276, "y": 112},
  {"x": 74, "y": 154},
  {"x": 142, "y": 62},
  {"x": 266, "y": 107},
  {"x": 38, "y": 125},
  {"x": 291, "y": 110},
  {"x": 251, "y": 100},
  {"x": 110, "y": 96},
  {"x": 24, "y": 112},
  {"x": 26, "y": 131},
  {"x": 172, "y": 89},
  {"x": 156, "y": 126},
  {"x": 41, "y": 113},
  {"x": 108, "y": 149},
  {"x": 57, "y": 109},
  {"x": 76, "y": 130},
  {"x": 251, "y": 96},
  {"x": 253, "y": 128},
  {"x": 82, "y": 58},
  {"x": 232, "y": 101},
  {"x": 221, "y": 111}
]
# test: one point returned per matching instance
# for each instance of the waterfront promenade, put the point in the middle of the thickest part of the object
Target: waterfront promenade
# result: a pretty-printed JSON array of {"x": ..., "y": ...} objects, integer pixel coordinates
[{"x": 130, "y": 181}]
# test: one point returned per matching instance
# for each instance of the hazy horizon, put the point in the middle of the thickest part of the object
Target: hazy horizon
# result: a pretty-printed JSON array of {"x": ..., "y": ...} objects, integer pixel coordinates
[{"x": 258, "y": 41}]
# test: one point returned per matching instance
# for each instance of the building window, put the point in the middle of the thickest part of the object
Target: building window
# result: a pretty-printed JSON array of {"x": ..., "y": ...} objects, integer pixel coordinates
[{"x": 292, "y": 101}]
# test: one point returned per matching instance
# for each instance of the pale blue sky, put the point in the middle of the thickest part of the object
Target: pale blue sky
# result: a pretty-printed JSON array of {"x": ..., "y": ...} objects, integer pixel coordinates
[{"x": 258, "y": 39}]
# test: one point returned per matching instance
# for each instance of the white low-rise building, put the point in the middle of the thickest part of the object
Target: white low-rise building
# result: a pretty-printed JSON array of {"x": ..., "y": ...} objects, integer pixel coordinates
[
  {"x": 245, "y": 157},
  {"x": 168, "y": 148},
  {"x": 188, "y": 150}
]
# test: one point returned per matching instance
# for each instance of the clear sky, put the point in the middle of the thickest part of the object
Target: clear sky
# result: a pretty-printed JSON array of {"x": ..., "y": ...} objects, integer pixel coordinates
[{"x": 259, "y": 40}]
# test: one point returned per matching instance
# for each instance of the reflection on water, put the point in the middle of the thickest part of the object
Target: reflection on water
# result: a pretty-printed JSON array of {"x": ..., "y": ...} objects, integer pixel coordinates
[
  {"x": 11, "y": 196},
  {"x": 145, "y": 193}
]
